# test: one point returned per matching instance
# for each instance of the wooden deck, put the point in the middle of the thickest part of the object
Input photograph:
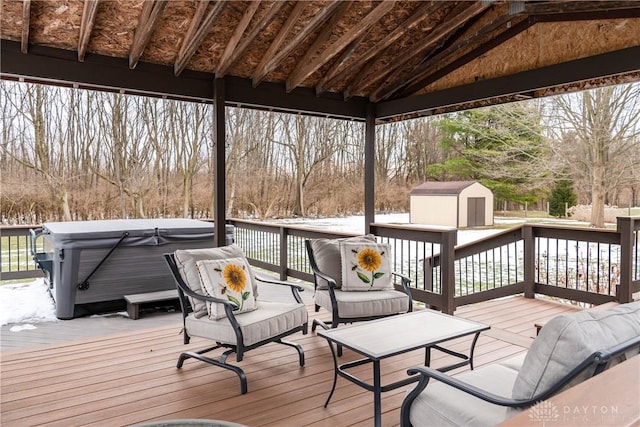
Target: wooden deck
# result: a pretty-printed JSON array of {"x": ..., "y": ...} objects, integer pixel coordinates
[{"x": 129, "y": 378}]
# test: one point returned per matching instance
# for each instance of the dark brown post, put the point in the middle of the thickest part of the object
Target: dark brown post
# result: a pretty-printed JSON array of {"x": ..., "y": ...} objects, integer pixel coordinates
[
  {"x": 529, "y": 261},
  {"x": 447, "y": 270},
  {"x": 369, "y": 167},
  {"x": 219, "y": 181},
  {"x": 625, "y": 229},
  {"x": 284, "y": 250}
]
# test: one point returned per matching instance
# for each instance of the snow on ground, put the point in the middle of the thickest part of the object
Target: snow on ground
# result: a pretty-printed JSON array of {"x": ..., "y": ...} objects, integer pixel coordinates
[{"x": 24, "y": 304}]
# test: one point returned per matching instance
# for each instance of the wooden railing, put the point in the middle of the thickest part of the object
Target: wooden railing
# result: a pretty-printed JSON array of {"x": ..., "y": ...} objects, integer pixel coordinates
[{"x": 577, "y": 264}]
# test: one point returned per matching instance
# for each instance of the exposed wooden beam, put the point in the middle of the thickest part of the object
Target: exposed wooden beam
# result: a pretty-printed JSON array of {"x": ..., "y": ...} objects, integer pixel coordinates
[
  {"x": 237, "y": 35},
  {"x": 190, "y": 45},
  {"x": 272, "y": 61},
  {"x": 86, "y": 26},
  {"x": 274, "y": 8},
  {"x": 341, "y": 70},
  {"x": 149, "y": 19},
  {"x": 457, "y": 55},
  {"x": 261, "y": 70},
  {"x": 454, "y": 19},
  {"x": 326, "y": 32},
  {"x": 201, "y": 8},
  {"x": 26, "y": 17},
  {"x": 305, "y": 69}
]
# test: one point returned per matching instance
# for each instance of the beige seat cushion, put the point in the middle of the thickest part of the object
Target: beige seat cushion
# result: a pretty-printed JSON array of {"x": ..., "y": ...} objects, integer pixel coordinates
[
  {"x": 186, "y": 260},
  {"x": 269, "y": 320},
  {"x": 364, "y": 304}
]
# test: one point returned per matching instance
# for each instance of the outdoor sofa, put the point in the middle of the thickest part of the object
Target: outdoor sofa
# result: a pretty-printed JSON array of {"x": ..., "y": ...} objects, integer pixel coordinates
[{"x": 569, "y": 349}]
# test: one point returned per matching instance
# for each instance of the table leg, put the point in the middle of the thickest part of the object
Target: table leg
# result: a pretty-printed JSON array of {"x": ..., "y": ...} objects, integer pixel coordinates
[
  {"x": 335, "y": 373},
  {"x": 473, "y": 348},
  {"x": 377, "y": 398}
]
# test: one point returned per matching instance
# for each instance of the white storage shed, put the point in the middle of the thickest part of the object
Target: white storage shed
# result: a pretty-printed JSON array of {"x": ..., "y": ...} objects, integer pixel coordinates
[{"x": 458, "y": 204}]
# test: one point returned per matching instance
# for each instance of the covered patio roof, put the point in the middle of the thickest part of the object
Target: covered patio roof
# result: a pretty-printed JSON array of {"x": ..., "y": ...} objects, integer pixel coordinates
[
  {"x": 370, "y": 61},
  {"x": 331, "y": 58}
]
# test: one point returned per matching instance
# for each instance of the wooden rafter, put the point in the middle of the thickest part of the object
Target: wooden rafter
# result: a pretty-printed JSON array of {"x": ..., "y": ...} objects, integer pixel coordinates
[
  {"x": 292, "y": 19},
  {"x": 457, "y": 17},
  {"x": 194, "y": 39},
  {"x": 26, "y": 15},
  {"x": 149, "y": 19},
  {"x": 239, "y": 31},
  {"x": 235, "y": 48},
  {"x": 305, "y": 69},
  {"x": 458, "y": 54},
  {"x": 201, "y": 8},
  {"x": 343, "y": 58},
  {"x": 271, "y": 61},
  {"x": 86, "y": 25},
  {"x": 342, "y": 70}
]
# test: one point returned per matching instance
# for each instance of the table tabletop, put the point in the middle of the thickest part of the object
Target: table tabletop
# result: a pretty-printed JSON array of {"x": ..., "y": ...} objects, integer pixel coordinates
[{"x": 394, "y": 335}]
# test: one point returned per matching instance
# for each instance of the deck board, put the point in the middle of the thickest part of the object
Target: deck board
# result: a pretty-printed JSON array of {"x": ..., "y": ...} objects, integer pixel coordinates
[{"x": 130, "y": 377}]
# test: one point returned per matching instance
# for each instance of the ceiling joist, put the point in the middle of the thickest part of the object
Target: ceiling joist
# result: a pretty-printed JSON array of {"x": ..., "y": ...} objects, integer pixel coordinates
[
  {"x": 460, "y": 15},
  {"x": 305, "y": 69},
  {"x": 271, "y": 62},
  {"x": 149, "y": 18},
  {"x": 86, "y": 25},
  {"x": 192, "y": 43},
  {"x": 341, "y": 70},
  {"x": 26, "y": 15},
  {"x": 231, "y": 55}
]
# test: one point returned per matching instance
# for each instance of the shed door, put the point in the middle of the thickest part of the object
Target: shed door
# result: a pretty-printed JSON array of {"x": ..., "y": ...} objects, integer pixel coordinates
[{"x": 475, "y": 211}]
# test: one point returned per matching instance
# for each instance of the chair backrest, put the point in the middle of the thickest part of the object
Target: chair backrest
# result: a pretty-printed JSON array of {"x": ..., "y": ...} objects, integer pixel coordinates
[
  {"x": 324, "y": 257},
  {"x": 576, "y": 346},
  {"x": 182, "y": 287}
]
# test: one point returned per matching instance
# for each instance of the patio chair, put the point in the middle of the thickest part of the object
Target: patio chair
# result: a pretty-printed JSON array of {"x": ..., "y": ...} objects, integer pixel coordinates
[
  {"x": 359, "y": 302},
  {"x": 218, "y": 291}
]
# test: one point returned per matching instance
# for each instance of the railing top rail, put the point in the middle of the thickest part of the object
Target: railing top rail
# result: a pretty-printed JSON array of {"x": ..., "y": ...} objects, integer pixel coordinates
[
  {"x": 596, "y": 235},
  {"x": 414, "y": 232}
]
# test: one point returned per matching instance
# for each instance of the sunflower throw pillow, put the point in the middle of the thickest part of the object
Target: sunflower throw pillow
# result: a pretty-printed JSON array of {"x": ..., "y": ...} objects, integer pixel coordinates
[
  {"x": 227, "y": 279},
  {"x": 366, "y": 266}
]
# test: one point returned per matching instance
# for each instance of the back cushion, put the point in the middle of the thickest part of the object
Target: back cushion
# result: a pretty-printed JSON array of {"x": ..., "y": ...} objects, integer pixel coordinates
[
  {"x": 186, "y": 260},
  {"x": 566, "y": 340},
  {"x": 327, "y": 255}
]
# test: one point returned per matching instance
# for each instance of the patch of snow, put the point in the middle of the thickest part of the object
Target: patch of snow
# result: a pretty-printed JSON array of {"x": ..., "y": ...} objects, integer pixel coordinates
[
  {"x": 25, "y": 327},
  {"x": 26, "y": 302}
]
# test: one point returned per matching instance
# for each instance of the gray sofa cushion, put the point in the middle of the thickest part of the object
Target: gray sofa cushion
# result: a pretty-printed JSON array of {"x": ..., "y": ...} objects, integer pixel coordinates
[
  {"x": 567, "y": 340},
  {"x": 442, "y": 405},
  {"x": 327, "y": 255},
  {"x": 186, "y": 261}
]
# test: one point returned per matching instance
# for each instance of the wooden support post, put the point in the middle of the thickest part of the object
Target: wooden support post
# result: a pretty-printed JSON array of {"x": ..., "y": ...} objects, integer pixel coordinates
[
  {"x": 219, "y": 183},
  {"x": 529, "y": 261},
  {"x": 284, "y": 250},
  {"x": 447, "y": 266},
  {"x": 625, "y": 228},
  {"x": 369, "y": 168}
]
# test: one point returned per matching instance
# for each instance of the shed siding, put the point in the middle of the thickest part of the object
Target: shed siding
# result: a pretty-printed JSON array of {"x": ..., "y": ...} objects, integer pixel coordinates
[{"x": 434, "y": 210}]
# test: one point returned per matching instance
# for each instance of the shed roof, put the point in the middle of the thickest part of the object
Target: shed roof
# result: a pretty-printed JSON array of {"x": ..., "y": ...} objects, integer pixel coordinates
[
  {"x": 326, "y": 57},
  {"x": 441, "y": 188}
]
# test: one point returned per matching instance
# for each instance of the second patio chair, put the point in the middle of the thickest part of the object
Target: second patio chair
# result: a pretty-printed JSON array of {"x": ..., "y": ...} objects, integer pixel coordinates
[
  {"x": 218, "y": 292},
  {"x": 371, "y": 295}
]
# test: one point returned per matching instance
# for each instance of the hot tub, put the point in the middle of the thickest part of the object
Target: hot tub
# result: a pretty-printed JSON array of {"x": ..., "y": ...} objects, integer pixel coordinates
[{"x": 95, "y": 262}]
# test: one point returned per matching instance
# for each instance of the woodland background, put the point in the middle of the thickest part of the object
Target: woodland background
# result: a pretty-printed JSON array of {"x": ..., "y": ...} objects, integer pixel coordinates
[{"x": 75, "y": 154}]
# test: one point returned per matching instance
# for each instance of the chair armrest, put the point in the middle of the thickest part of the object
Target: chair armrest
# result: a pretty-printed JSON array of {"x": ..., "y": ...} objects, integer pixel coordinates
[
  {"x": 405, "y": 282},
  {"x": 295, "y": 289},
  {"x": 330, "y": 280}
]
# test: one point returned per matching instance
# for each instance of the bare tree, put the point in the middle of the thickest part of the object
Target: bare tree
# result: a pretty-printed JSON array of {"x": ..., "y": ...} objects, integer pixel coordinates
[{"x": 604, "y": 125}]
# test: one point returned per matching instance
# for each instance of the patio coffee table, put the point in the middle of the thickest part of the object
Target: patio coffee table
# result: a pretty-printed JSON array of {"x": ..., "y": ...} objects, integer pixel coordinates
[{"x": 391, "y": 336}]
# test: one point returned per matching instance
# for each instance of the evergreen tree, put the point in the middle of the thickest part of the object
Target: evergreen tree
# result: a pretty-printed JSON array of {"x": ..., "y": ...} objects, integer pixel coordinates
[{"x": 562, "y": 194}]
